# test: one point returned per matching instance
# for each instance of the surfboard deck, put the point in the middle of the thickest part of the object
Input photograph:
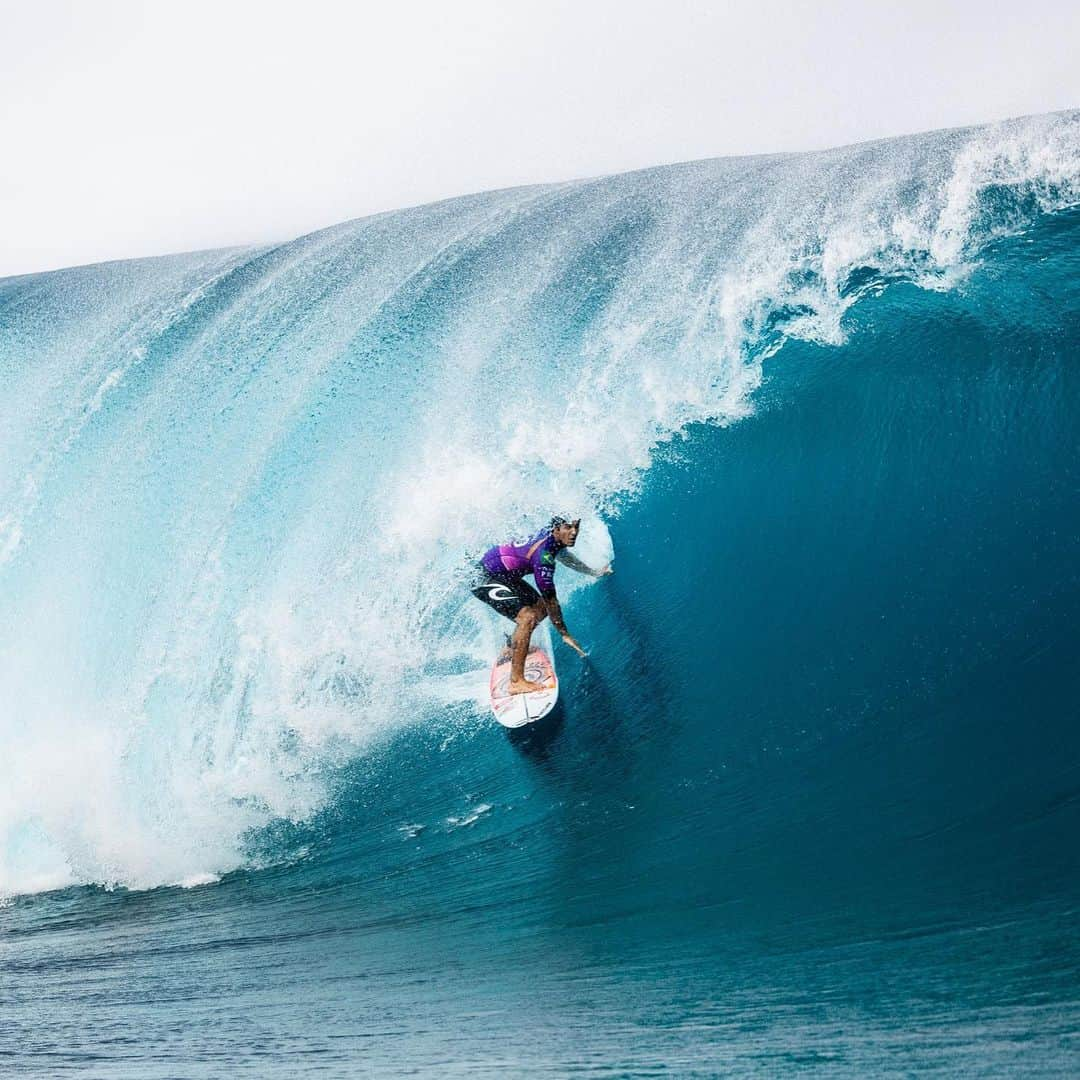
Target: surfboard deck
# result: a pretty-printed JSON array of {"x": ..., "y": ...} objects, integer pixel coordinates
[{"x": 517, "y": 710}]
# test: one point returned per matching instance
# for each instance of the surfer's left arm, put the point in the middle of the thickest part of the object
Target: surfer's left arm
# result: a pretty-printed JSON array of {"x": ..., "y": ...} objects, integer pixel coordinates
[{"x": 571, "y": 560}]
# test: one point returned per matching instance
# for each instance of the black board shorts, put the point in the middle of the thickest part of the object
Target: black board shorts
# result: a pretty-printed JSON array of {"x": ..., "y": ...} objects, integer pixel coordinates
[{"x": 506, "y": 593}]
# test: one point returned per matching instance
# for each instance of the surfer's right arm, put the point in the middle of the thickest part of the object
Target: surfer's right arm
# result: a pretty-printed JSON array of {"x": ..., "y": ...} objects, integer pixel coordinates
[
  {"x": 543, "y": 564},
  {"x": 555, "y": 612}
]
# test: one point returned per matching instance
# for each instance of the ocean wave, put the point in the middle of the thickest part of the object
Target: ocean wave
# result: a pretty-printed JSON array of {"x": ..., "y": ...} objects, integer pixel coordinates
[{"x": 239, "y": 490}]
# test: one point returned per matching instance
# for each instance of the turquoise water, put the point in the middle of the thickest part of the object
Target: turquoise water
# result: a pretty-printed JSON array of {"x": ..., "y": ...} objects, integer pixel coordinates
[{"x": 810, "y": 805}]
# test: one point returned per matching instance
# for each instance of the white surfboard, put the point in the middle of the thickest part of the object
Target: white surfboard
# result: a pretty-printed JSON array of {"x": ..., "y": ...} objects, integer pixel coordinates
[{"x": 517, "y": 710}]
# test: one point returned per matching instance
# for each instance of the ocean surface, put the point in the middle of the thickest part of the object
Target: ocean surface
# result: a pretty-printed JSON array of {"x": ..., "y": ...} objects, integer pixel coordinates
[{"x": 812, "y": 803}]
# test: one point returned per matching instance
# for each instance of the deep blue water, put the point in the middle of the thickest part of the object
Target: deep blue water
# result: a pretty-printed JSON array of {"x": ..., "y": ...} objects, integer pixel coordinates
[{"x": 811, "y": 805}]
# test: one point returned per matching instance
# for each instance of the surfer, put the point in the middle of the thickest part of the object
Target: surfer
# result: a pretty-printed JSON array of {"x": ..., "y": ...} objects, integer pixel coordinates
[{"x": 503, "y": 587}]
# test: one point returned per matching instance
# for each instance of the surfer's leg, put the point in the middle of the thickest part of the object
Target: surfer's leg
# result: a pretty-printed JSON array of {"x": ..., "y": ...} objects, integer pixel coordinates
[
  {"x": 527, "y": 620},
  {"x": 518, "y": 601}
]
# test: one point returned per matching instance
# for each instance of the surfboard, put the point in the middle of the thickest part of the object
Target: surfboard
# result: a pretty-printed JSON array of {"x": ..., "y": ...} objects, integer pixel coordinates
[{"x": 517, "y": 710}]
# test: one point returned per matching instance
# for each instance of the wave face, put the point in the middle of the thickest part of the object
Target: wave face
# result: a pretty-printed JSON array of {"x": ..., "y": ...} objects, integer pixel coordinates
[{"x": 817, "y": 784}]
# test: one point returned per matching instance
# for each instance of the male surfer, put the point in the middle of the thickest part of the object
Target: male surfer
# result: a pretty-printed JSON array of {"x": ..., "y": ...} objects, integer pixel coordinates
[{"x": 503, "y": 587}]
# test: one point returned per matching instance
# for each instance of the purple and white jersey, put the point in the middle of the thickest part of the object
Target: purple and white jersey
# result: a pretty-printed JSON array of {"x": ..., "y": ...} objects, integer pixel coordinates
[{"x": 534, "y": 556}]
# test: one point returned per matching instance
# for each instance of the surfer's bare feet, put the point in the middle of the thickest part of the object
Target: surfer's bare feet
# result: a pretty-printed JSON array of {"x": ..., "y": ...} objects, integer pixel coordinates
[{"x": 523, "y": 686}]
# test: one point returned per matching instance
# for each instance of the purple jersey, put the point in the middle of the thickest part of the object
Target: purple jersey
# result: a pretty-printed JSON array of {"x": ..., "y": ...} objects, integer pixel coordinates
[{"x": 534, "y": 556}]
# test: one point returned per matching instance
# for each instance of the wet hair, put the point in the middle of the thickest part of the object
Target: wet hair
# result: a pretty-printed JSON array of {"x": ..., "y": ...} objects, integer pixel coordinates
[{"x": 557, "y": 521}]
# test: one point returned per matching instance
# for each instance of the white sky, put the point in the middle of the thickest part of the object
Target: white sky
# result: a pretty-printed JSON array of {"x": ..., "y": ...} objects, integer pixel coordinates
[{"x": 131, "y": 128}]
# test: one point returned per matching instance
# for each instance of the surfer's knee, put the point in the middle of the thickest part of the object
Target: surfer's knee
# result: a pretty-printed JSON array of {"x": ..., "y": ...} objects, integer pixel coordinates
[{"x": 530, "y": 616}]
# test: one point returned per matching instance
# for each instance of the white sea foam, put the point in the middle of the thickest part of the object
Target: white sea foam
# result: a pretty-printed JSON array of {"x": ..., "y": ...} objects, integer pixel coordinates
[
  {"x": 240, "y": 492},
  {"x": 471, "y": 818}
]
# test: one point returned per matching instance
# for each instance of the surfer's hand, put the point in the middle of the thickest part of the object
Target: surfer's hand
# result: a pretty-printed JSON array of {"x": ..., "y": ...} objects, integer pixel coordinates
[
  {"x": 603, "y": 571},
  {"x": 574, "y": 645}
]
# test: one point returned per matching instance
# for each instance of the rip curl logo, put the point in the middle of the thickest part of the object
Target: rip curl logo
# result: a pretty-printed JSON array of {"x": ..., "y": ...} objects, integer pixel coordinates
[{"x": 500, "y": 592}]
